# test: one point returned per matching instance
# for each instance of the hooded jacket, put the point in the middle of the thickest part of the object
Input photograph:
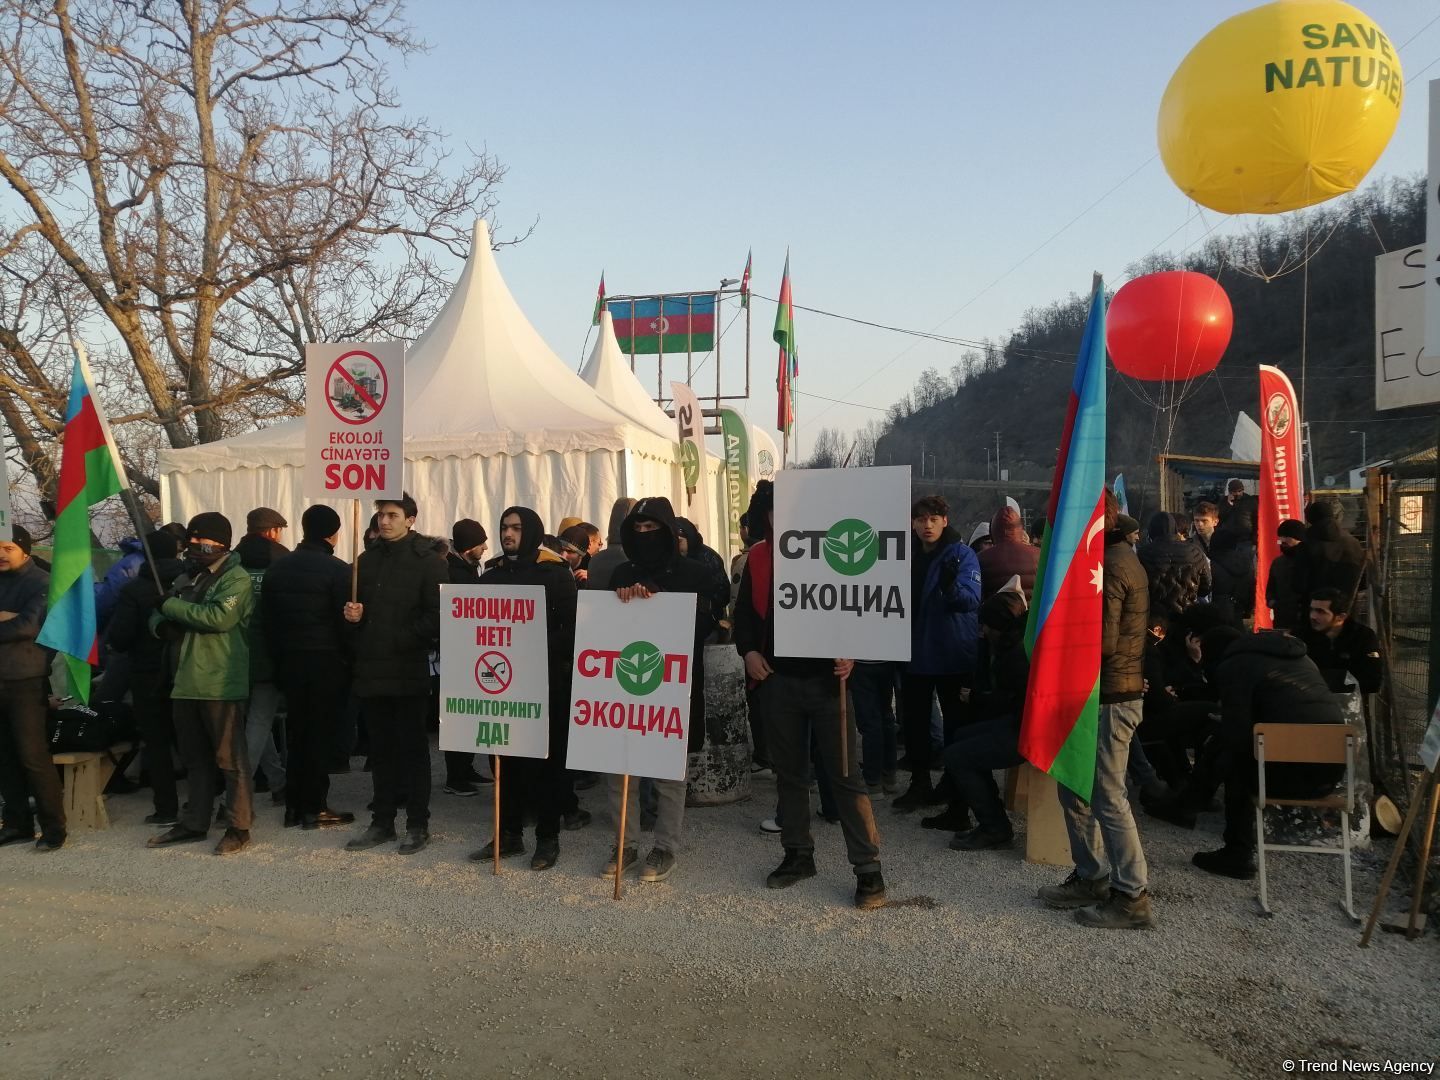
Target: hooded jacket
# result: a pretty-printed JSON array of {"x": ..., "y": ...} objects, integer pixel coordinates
[
  {"x": 1285, "y": 589},
  {"x": 1123, "y": 626},
  {"x": 945, "y": 599},
  {"x": 1009, "y": 554},
  {"x": 24, "y": 592},
  {"x": 535, "y": 565},
  {"x": 400, "y": 587},
  {"x": 210, "y": 609},
  {"x": 1268, "y": 677},
  {"x": 612, "y": 555},
  {"x": 663, "y": 569},
  {"x": 129, "y": 631},
  {"x": 1333, "y": 558},
  {"x": 1178, "y": 572},
  {"x": 304, "y": 597},
  {"x": 710, "y": 561}
]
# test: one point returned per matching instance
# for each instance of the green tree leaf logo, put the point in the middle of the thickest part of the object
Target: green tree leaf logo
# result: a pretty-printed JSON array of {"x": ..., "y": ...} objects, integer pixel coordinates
[
  {"x": 640, "y": 669},
  {"x": 690, "y": 465},
  {"x": 851, "y": 547}
]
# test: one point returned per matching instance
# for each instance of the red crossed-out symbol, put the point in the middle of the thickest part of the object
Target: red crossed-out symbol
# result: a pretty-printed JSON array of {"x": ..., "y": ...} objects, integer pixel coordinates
[
  {"x": 356, "y": 387},
  {"x": 493, "y": 672}
]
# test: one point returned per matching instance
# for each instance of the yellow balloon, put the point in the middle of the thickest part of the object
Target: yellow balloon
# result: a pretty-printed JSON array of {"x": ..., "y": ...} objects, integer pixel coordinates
[{"x": 1280, "y": 107}]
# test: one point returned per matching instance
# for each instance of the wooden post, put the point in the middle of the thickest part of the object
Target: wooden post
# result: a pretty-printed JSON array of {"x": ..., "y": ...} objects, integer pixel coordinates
[
  {"x": 620, "y": 840},
  {"x": 355, "y": 547},
  {"x": 495, "y": 768},
  {"x": 844, "y": 732},
  {"x": 1423, "y": 868},
  {"x": 1417, "y": 799},
  {"x": 1046, "y": 839}
]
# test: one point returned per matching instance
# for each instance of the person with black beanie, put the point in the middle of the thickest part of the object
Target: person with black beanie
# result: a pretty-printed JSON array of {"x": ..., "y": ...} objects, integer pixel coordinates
[{"x": 303, "y": 627}]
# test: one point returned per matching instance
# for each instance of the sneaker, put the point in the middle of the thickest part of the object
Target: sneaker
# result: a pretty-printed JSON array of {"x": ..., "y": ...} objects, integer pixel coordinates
[
  {"x": 462, "y": 788},
  {"x": 1075, "y": 892},
  {"x": 981, "y": 839},
  {"x": 869, "y": 891},
  {"x": 576, "y": 819},
  {"x": 631, "y": 858},
  {"x": 1229, "y": 861},
  {"x": 162, "y": 819},
  {"x": 415, "y": 840},
  {"x": 954, "y": 819},
  {"x": 46, "y": 844},
  {"x": 511, "y": 844},
  {"x": 176, "y": 834},
  {"x": 890, "y": 781},
  {"x": 547, "y": 853},
  {"x": 658, "y": 865},
  {"x": 374, "y": 836},
  {"x": 1118, "y": 912},
  {"x": 794, "y": 868},
  {"x": 770, "y": 827},
  {"x": 234, "y": 840}
]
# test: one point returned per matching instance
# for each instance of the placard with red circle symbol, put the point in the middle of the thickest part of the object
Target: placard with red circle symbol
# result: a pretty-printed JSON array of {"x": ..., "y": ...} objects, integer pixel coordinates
[
  {"x": 355, "y": 420},
  {"x": 493, "y": 673}
]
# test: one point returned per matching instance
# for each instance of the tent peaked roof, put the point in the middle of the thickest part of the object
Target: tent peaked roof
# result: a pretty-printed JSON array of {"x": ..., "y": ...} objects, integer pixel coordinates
[{"x": 609, "y": 373}]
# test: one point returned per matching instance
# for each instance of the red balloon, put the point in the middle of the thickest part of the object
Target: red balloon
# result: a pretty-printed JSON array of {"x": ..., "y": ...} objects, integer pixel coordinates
[{"x": 1170, "y": 326}]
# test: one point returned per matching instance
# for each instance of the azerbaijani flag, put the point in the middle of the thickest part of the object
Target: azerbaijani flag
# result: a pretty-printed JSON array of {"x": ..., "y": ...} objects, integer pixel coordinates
[
  {"x": 88, "y": 475},
  {"x": 745, "y": 280},
  {"x": 1062, "y": 702},
  {"x": 665, "y": 324},
  {"x": 789, "y": 361},
  {"x": 599, "y": 301}
]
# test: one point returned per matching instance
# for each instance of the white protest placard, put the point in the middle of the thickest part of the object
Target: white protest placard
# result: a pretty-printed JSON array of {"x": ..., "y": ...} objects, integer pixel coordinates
[
  {"x": 630, "y": 712},
  {"x": 1430, "y": 746},
  {"x": 355, "y": 420},
  {"x": 842, "y": 563},
  {"x": 1432, "y": 225},
  {"x": 1404, "y": 373},
  {"x": 494, "y": 670}
]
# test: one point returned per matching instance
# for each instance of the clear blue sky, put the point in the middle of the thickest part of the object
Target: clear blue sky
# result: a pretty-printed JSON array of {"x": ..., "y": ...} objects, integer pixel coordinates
[{"x": 908, "y": 155}]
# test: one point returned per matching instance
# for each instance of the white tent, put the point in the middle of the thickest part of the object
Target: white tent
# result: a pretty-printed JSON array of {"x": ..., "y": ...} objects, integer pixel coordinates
[
  {"x": 493, "y": 418},
  {"x": 608, "y": 372}
]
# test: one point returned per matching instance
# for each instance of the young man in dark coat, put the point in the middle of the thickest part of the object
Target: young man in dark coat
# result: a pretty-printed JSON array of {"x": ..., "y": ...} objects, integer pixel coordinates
[
  {"x": 528, "y": 783},
  {"x": 1177, "y": 570},
  {"x": 650, "y": 537},
  {"x": 25, "y": 766},
  {"x": 129, "y": 635},
  {"x": 1341, "y": 647},
  {"x": 1333, "y": 558},
  {"x": 796, "y": 695},
  {"x": 303, "y": 625},
  {"x": 468, "y": 544},
  {"x": 1286, "y": 591},
  {"x": 396, "y": 625},
  {"x": 604, "y": 562},
  {"x": 1010, "y": 554}
]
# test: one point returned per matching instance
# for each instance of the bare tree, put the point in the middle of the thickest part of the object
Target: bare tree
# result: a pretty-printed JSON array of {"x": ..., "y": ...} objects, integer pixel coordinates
[
  {"x": 828, "y": 451},
  {"x": 205, "y": 186}
]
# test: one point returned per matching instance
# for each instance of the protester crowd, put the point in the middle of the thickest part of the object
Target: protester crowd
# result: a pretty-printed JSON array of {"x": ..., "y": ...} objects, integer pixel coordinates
[{"x": 229, "y": 651}]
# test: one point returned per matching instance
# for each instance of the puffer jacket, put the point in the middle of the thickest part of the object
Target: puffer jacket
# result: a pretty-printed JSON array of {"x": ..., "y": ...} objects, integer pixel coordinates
[
  {"x": 400, "y": 587},
  {"x": 107, "y": 590},
  {"x": 944, "y": 624},
  {"x": 1178, "y": 572},
  {"x": 129, "y": 629},
  {"x": 305, "y": 594},
  {"x": 1123, "y": 627},
  {"x": 1232, "y": 565},
  {"x": 718, "y": 591},
  {"x": 24, "y": 592},
  {"x": 1010, "y": 554},
  {"x": 210, "y": 613}
]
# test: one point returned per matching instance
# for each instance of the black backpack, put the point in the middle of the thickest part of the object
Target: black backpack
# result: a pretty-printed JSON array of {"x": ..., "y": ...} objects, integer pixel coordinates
[{"x": 76, "y": 729}]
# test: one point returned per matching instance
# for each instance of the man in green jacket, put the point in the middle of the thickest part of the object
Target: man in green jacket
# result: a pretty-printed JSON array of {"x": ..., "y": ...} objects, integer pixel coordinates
[{"x": 206, "y": 621}]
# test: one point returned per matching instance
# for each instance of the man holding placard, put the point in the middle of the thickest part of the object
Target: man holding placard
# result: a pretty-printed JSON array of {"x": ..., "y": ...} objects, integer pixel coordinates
[
  {"x": 526, "y": 782},
  {"x": 650, "y": 539}
]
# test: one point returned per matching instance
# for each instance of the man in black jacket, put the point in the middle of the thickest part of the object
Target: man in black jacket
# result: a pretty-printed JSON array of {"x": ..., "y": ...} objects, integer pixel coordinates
[
  {"x": 25, "y": 766},
  {"x": 529, "y": 783},
  {"x": 129, "y": 634},
  {"x": 468, "y": 544},
  {"x": 1333, "y": 558},
  {"x": 398, "y": 624},
  {"x": 1262, "y": 677},
  {"x": 1340, "y": 646},
  {"x": 1178, "y": 571},
  {"x": 650, "y": 537},
  {"x": 303, "y": 627},
  {"x": 795, "y": 694}
]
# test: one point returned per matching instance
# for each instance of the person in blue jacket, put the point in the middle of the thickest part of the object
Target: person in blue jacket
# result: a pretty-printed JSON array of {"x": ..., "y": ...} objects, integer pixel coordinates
[{"x": 944, "y": 638}]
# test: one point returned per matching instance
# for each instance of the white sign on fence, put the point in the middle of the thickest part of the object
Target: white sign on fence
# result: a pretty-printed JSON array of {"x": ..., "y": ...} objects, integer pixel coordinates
[
  {"x": 355, "y": 420},
  {"x": 1404, "y": 373},
  {"x": 630, "y": 712},
  {"x": 494, "y": 670},
  {"x": 842, "y": 563}
]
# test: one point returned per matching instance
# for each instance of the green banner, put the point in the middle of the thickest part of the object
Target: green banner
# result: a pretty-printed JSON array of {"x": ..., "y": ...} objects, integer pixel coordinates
[{"x": 735, "y": 433}]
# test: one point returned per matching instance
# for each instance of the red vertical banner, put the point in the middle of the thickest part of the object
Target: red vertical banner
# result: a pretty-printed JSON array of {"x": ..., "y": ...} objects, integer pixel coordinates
[{"x": 1282, "y": 479}]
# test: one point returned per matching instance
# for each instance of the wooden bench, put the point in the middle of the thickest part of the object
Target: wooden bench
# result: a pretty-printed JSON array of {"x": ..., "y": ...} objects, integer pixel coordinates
[{"x": 85, "y": 776}]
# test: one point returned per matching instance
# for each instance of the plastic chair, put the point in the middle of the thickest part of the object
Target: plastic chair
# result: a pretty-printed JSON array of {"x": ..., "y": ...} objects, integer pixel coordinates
[{"x": 1315, "y": 744}]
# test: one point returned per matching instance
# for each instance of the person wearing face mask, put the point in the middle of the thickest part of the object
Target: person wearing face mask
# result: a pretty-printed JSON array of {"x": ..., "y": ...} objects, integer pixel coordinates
[
  {"x": 530, "y": 783},
  {"x": 650, "y": 535},
  {"x": 207, "y": 620},
  {"x": 25, "y": 767},
  {"x": 1286, "y": 591}
]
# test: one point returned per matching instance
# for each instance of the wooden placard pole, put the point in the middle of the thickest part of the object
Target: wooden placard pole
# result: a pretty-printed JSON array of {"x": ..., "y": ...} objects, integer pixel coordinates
[
  {"x": 844, "y": 731},
  {"x": 495, "y": 768},
  {"x": 620, "y": 840},
  {"x": 1417, "y": 799},
  {"x": 355, "y": 554}
]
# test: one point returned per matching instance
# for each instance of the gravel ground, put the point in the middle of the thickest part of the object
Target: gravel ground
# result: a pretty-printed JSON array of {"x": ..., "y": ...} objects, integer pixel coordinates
[{"x": 297, "y": 958}]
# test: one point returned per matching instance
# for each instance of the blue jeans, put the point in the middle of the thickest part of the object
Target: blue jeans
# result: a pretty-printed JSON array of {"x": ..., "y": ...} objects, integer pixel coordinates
[
  {"x": 1103, "y": 829},
  {"x": 872, "y": 692}
]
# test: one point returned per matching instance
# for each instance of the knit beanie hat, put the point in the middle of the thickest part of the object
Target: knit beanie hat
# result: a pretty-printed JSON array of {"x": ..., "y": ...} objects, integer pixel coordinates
[
  {"x": 211, "y": 526},
  {"x": 20, "y": 537},
  {"x": 319, "y": 522},
  {"x": 467, "y": 533}
]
